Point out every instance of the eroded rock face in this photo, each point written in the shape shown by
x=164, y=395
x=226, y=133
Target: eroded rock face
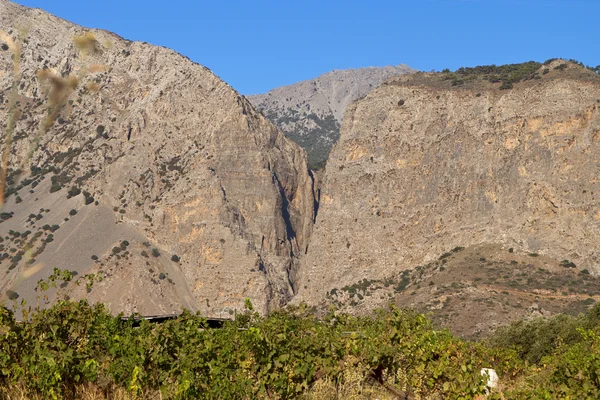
x=177, y=161
x=422, y=167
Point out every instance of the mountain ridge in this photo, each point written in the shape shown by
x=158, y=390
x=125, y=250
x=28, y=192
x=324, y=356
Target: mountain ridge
x=162, y=179
x=424, y=166
x=310, y=112
x=169, y=156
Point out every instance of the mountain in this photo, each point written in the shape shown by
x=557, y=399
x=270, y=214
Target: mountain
x=310, y=112
x=155, y=174
x=429, y=162
x=468, y=194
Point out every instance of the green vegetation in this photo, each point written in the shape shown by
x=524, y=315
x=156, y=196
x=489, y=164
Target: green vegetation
x=290, y=354
x=541, y=337
x=74, y=191
x=317, y=141
x=89, y=199
x=12, y=295
x=508, y=74
x=5, y=215
x=403, y=284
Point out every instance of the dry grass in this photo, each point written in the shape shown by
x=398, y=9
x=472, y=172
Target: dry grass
x=354, y=386
x=83, y=392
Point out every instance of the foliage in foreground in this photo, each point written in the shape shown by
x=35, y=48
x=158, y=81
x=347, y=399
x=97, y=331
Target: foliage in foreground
x=541, y=337
x=72, y=345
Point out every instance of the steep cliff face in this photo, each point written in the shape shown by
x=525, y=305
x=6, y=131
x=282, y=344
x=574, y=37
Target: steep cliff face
x=423, y=167
x=310, y=112
x=208, y=203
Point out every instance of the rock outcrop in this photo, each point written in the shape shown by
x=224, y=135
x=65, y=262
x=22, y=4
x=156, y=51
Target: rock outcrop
x=155, y=173
x=310, y=112
x=422, y=167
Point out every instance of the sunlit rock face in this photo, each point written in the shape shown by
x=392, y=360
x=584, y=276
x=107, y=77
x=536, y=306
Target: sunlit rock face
x=422, y=167
x=214, y=203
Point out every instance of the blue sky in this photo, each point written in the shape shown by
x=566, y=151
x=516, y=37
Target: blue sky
x=261, y=44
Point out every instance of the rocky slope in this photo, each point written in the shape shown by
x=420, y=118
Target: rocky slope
x=310, y=112
x=423, y=167
x=155, y=173
x=477, y=289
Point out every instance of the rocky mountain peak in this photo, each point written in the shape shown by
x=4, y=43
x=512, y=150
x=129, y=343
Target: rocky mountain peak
x=310, y=112
x=155, y=175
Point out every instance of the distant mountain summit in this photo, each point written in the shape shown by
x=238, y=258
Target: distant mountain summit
x=310, y=112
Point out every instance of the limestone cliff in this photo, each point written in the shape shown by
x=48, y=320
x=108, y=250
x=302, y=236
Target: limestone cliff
x=155, y=172
x=422, y=167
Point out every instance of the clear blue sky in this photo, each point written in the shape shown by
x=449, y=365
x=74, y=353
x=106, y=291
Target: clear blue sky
x=261, y=44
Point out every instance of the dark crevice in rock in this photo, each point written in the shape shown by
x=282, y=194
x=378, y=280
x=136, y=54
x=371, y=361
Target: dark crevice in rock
x=285, y=210
x=224, y=194
x=316, y=197
x=291, y=274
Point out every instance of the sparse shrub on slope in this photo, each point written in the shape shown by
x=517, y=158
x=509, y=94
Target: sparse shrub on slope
x=508, y=74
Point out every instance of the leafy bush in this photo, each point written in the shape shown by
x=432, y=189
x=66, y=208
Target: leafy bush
x=283, y=355
x=279, y=356
x=12, y=295
x=568, y=264
x=89, y=199
x=539, y=337
x=74, y=191
x=5, y=215
x=561, y=67
x=572, y=374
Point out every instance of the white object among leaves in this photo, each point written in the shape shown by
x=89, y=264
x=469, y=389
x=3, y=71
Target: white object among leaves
x=492, y=377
